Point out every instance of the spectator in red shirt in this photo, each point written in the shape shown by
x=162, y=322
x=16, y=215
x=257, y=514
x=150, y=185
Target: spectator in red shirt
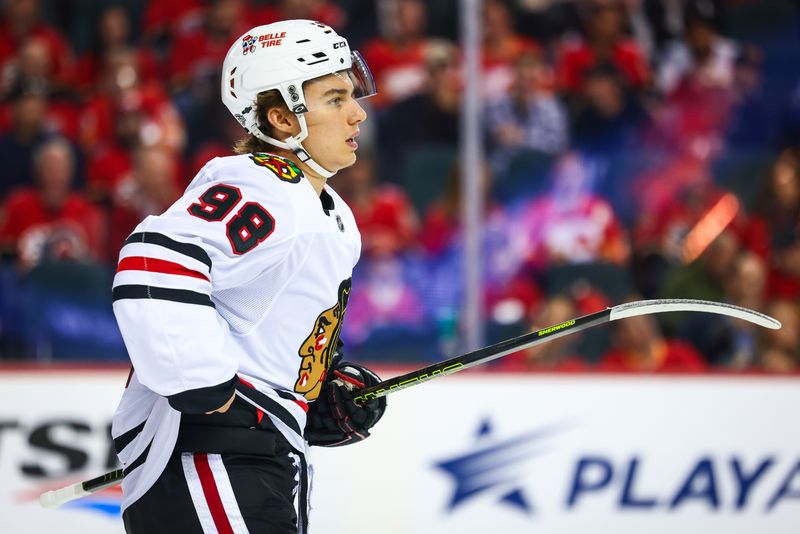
x=324, y=11
x=148, y=189
x=638, y=345
x=502, y=47
x=49, y=220
x=21, y=22
x=162, y=19
x=110, y=161
x=784, y=280
x=32, y=71
x=122, y=90
x=697, y=76
x=385, y=217
x=779, y=350
x=113, y=33
x=196, y=54
x=570, y=223
x=397, y=58
x=773, y=231
x=604, y=44
x=30, y=65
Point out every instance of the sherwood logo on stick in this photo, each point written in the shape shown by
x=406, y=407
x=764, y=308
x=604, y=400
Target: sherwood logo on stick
x=556, y=328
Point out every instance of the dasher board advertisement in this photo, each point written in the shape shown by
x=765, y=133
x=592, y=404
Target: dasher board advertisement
x=472, y=453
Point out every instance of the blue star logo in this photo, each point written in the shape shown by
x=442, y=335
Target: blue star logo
x=494, y=467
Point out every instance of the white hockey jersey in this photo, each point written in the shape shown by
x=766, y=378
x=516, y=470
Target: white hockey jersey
x=244, y=280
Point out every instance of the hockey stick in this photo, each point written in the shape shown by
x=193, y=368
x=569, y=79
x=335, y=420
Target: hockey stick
x=54, y=498
x=613, y=313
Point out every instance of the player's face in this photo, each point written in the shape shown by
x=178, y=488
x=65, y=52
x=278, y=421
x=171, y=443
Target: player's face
x=332, y=120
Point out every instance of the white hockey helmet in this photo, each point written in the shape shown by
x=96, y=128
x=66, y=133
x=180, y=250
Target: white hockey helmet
x=282, y=56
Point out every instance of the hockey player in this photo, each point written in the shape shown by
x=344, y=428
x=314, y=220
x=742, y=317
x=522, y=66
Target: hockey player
x=231, y=303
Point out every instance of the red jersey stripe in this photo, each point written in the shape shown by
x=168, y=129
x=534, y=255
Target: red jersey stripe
x=211, y=493
x=303, y=405
x=155, y=265
x=259, y=413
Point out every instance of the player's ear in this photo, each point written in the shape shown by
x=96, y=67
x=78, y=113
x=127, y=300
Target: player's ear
x=283, y=122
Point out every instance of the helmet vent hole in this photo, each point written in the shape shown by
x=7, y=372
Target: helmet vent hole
x=233, y=71
x=303, y=41
x=232, y=82
x=319, y=57
x=233, y=94
x=301, y=60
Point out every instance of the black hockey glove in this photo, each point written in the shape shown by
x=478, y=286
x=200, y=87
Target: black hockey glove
x=334, y=419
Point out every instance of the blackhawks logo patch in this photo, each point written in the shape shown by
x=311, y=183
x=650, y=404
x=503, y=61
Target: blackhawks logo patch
x=318, y=349
x=280, y=167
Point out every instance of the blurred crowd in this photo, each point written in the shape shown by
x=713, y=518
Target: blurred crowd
x=634, y=149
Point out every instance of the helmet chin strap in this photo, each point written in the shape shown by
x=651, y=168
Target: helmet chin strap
x=293, y=143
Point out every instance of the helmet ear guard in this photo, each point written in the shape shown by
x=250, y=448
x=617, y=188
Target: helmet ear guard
x=283, y=56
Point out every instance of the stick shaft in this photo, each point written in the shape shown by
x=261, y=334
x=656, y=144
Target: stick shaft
x=103, y=481
x=483, y=355
x=622, y=311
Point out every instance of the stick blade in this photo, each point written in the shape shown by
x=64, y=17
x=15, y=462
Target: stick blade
x=645, y=307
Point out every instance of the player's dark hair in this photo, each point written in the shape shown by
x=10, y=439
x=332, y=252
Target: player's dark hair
x=265, y=101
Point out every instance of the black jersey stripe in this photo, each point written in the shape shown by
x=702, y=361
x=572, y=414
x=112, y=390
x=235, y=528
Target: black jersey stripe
x=286, y=395
x=202, y=400
x=160, y=293
x=122, y=441
x=269, y=405
x=138, y=461
x=187, y=249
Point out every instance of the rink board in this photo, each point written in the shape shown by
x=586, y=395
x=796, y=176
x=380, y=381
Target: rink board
x=472, y=453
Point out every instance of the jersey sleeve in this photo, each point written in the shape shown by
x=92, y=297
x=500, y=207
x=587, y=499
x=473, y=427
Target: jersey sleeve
x=163, y=292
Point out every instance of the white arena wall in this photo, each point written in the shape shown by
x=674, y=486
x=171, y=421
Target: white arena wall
x=473, y=453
